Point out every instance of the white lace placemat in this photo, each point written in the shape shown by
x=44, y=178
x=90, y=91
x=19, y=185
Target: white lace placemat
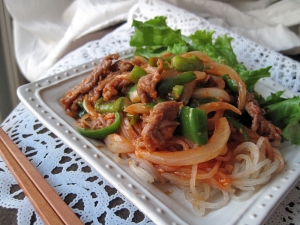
x=86, y=192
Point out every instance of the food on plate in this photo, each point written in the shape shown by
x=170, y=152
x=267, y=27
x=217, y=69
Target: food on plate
x=183, y=110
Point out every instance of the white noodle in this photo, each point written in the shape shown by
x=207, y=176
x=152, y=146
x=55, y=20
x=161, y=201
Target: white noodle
x=140, y=172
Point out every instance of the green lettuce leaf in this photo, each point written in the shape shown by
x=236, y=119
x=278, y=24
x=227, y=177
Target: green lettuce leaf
x=271, y=99
x=221, y=50
x=285, y=114
x=250, y=77
x=154, y=37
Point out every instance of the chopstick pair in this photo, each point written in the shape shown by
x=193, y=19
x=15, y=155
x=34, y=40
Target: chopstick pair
x=50, y=207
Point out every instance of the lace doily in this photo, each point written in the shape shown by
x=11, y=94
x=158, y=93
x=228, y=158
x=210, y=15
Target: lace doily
x=87, y=193
x=93, y=199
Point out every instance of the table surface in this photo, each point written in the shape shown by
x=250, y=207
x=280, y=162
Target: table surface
x=104, y=202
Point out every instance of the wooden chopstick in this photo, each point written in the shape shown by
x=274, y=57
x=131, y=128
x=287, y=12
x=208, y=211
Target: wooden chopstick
x=50, y=207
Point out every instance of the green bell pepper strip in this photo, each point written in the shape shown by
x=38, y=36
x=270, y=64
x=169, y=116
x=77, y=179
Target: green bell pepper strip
x=133, y=118
x=113, y=106
x=193, y=125
x=230, y=83
x=150, y=104
x=165, y=86
x=176, y=91
x=102, y=132
x=136, y=73
x=182, y=64
x=240, y=127
x=98, y=103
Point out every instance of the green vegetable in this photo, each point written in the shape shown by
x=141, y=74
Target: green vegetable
x=251, y=77
x=150, y=104
x=193, y=125
x=81, y=110
x=136, y=73
x=133, y=118
x=286, y=115
x=177, y=91
x=230, y=83
x=182, y=64
x=273, y=98
x=102, y=132
x=113, y=106
x=154, y=37
x=240, y=127
x=165, y=86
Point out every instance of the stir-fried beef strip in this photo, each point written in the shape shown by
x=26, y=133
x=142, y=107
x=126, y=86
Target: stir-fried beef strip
x=88, y=83
x=122, y=66
x=208, y=82
x=112, y=87
x=107, y=77
x=146, y=84
x=160, y=125
x=115, y=80
x=259, y=124
x=96, y=92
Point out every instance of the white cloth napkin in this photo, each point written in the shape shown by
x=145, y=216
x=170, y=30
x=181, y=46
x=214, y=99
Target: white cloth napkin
x=43, y=29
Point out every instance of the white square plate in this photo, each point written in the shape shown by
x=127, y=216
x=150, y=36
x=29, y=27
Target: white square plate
x=163, y=203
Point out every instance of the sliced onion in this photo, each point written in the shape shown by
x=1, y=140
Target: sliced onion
x=137, y=108
x=221, y=69
x=216, y=106
x=118, y=144
x=134, y=97
x=192, y=156
x=127, y=131
x=88, y=106
x=187, y=92
x=211, y=93
x=200, y=75
x=212, y=121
